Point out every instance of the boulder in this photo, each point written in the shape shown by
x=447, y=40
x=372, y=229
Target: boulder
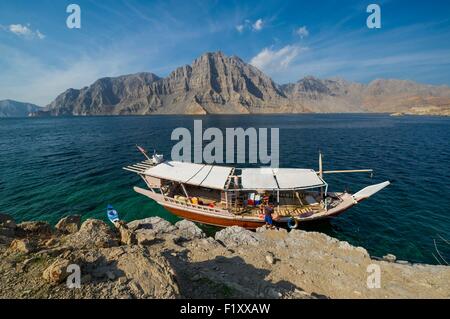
x=93, y=233
x=390, y=258
x=261, y=229
x=270, y=259
x=145, y=236
x=145, y=274
x=51, y=242
x=41, y=229
x=22, y=246
x=189, y=230
x=157, y=224
x=127, y=236
x=236, y=236
x=69, y=224
x=7, y=221
x=56, y=273
x=152, y=274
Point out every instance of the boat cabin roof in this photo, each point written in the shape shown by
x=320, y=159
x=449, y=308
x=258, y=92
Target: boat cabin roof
x=217, y=177
x=209, y=176
x=280, y=178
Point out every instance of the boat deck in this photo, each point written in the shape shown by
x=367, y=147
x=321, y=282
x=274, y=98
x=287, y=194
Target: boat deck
x=288, y=207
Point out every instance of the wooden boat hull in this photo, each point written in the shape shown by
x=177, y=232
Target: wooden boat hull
x=225, y=219
x=214, y=220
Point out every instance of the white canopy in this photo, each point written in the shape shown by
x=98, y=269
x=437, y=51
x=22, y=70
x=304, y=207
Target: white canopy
x=258, y=178
x=280, y=178
x=289, y=178
x=190, y=173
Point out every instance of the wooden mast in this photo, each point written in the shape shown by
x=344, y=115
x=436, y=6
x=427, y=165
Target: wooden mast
x=320, y=165
x=320, y=172
x=184, y=190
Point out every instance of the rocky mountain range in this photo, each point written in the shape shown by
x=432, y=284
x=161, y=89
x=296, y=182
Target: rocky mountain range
x=10, y=108
x=218, y=84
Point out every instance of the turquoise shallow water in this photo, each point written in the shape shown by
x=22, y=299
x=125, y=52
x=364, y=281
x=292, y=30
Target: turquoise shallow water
x=51, y=167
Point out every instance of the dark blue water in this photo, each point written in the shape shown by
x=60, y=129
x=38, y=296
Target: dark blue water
x=51, y=167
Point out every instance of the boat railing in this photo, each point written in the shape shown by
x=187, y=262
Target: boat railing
x=195, y=206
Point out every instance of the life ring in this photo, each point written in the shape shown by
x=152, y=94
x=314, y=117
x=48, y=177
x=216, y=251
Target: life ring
x=292, y=223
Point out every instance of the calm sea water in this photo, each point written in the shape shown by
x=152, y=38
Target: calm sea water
x=51, y=167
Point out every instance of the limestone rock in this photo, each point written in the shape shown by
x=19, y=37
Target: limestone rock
x=22, y=246
x=390, y=258
x=56, y=273
x=157, y=224
x=189, y=230
x=93, y=233
x=261, y=229
x=153, y=274
x=145, y=236
x=308, y=265
x=69, y=224
x=237, y=236
x=270, y=259
x=35, y=228
x=147, y=275
x=127, y=236
x=51, y=242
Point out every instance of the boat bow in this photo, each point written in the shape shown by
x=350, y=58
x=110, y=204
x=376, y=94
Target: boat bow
x=369, y=191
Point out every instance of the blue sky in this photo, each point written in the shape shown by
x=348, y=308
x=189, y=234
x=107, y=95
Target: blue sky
x=40, y=57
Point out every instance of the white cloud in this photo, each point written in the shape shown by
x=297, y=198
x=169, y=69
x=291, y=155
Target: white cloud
x=25, y=31
x=20, y=30
x=258, y=25
x=240, y=28
x=40, y=35
x=302, y=32
x=272, y=60
x=247, y=24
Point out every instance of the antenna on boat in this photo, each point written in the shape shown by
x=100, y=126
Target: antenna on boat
x=320, y=164
x=143, y=151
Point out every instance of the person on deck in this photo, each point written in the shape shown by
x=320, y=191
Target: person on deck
x=266, y=199
x=268, y=211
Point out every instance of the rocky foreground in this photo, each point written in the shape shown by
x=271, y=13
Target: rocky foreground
x=151, y=258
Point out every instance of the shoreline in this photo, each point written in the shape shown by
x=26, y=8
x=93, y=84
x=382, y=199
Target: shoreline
x=151, y=258
x=391, y=114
